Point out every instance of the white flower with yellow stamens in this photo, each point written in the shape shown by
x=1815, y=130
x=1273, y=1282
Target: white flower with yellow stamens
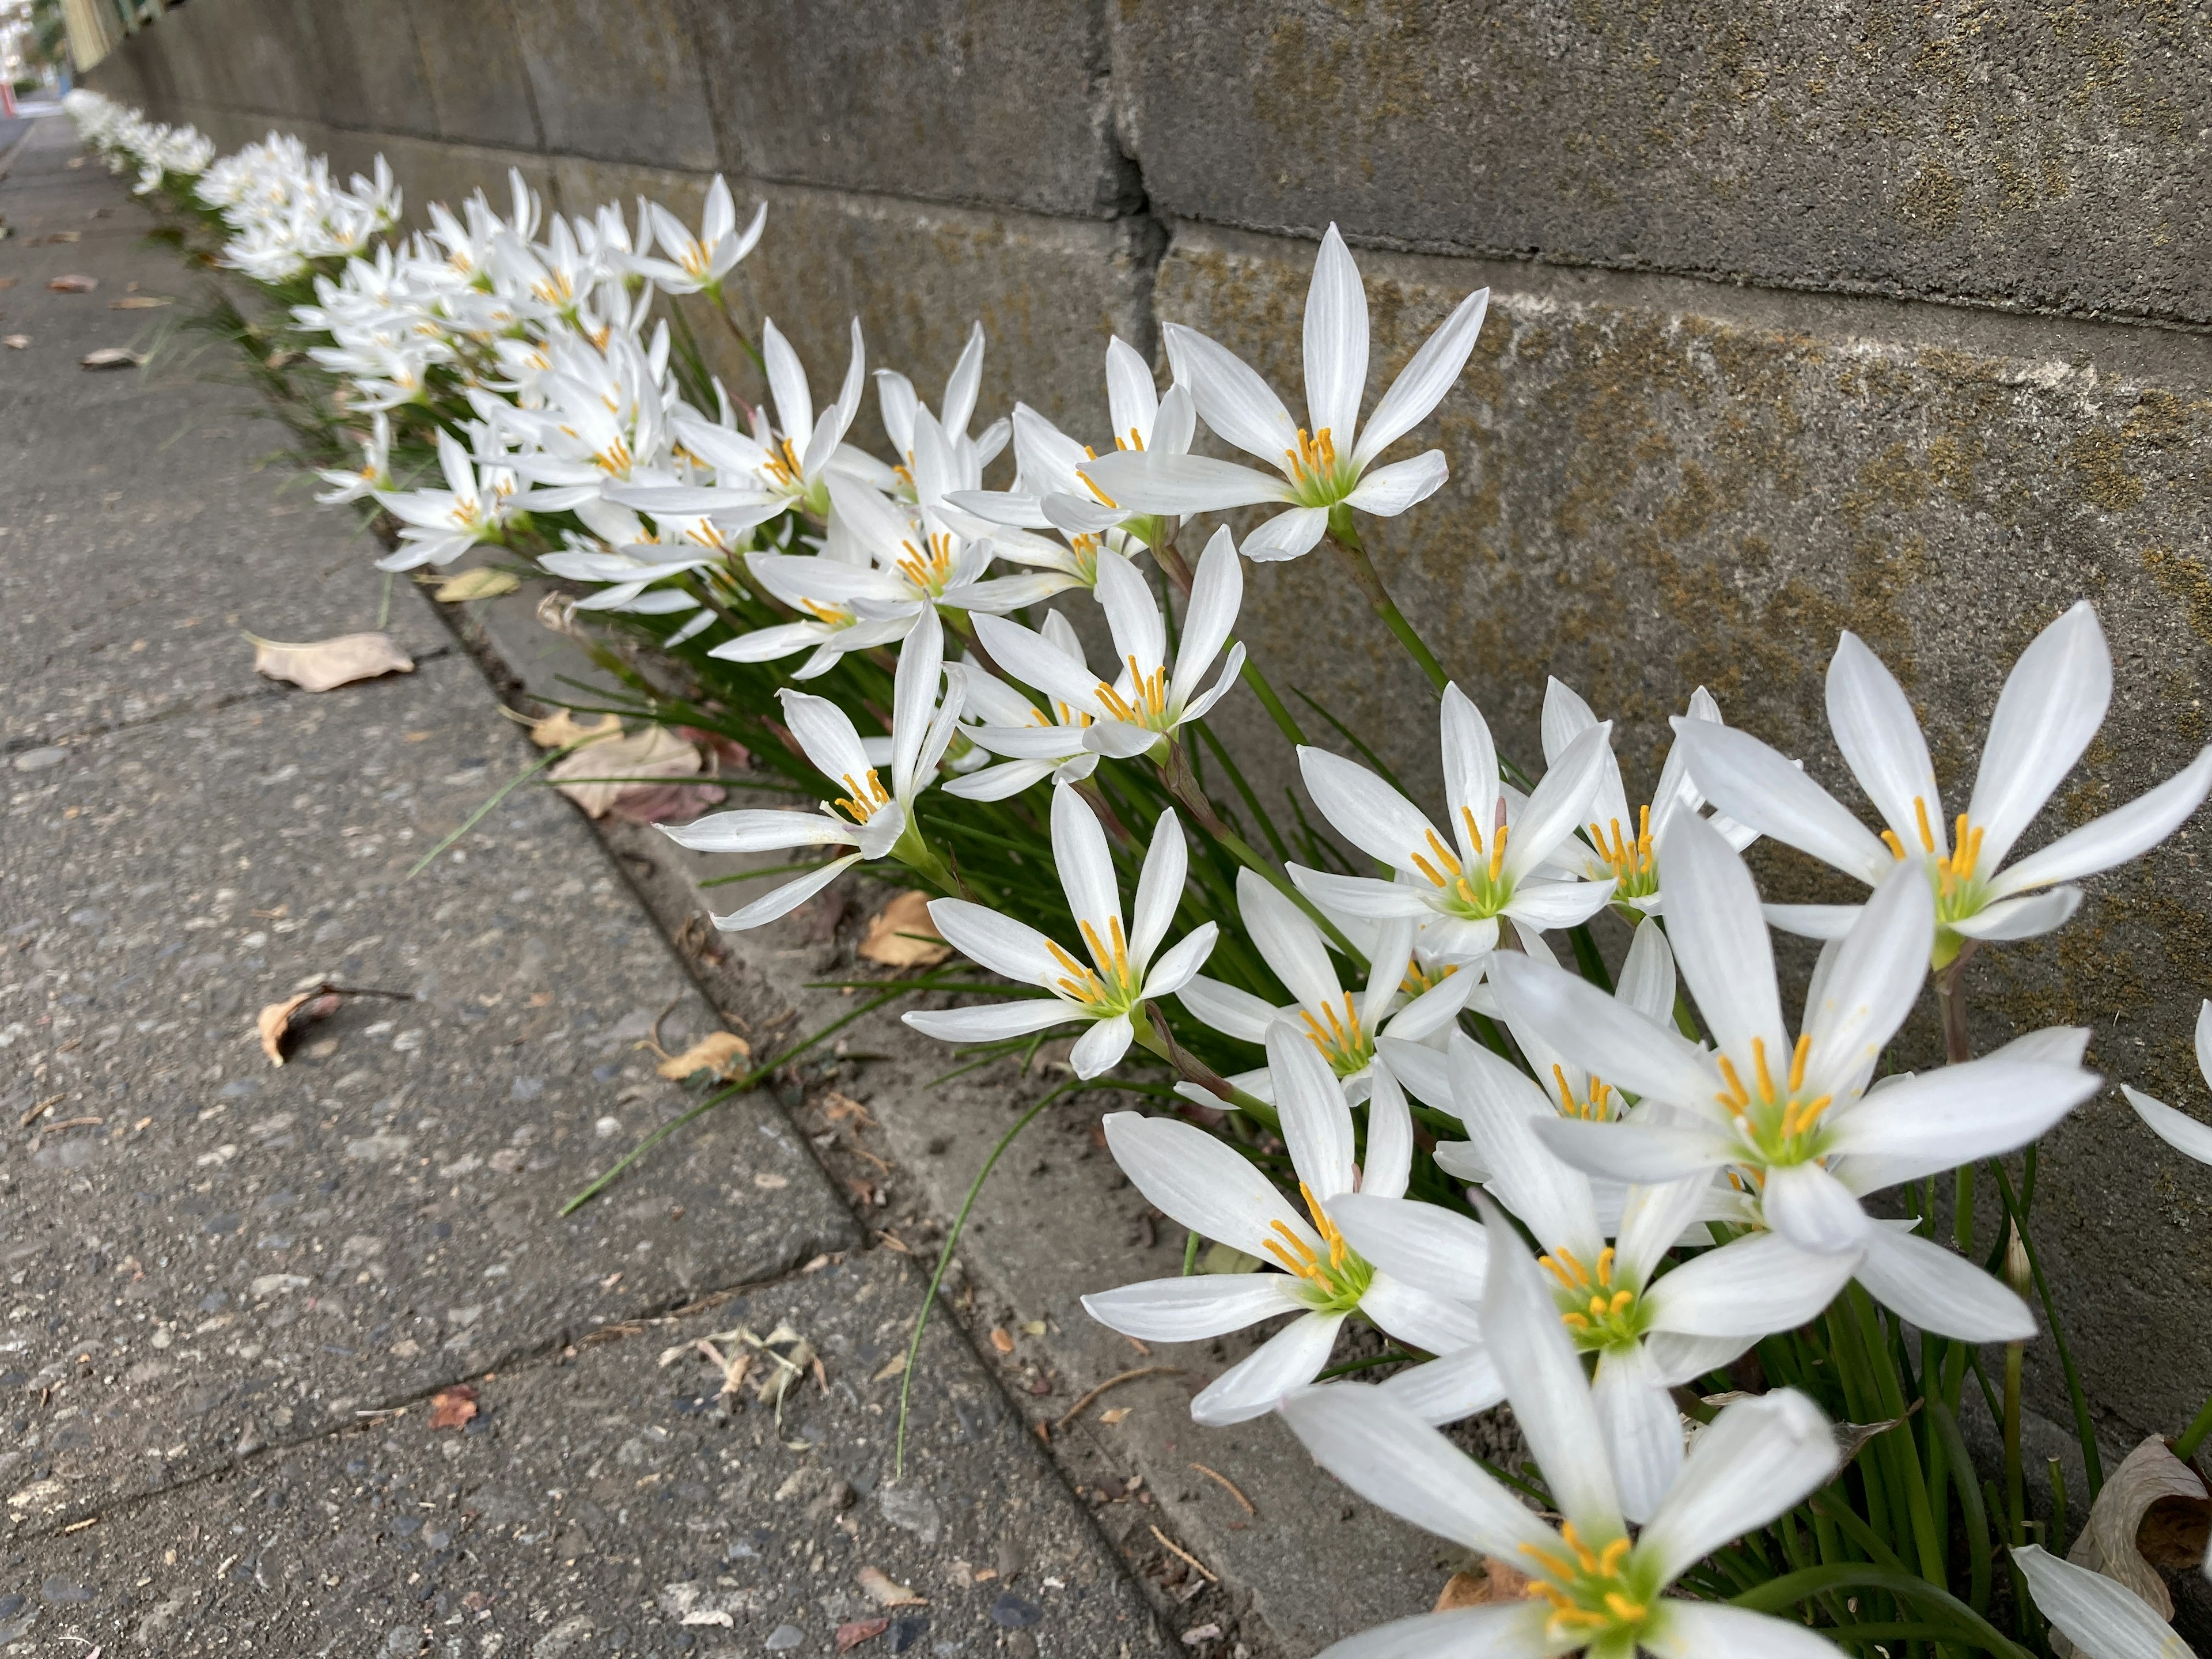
x=869, y=818
x=2053, y=701
x=1343, y=1029
x=1620, y=845
x=1324, y=466
x=1195, y=1180
x=698, y=264
x=1797, y=1122
x=1141, y=712
x=1121, y=976
x=438, y=525
x=1592, y=1587
x=1501, y=863
x=1035, y=743
x=375, y=472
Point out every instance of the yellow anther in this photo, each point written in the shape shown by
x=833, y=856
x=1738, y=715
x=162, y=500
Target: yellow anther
x=1430, y=870
x=1622, y=1300
x=1474, y=829
x=1737, y=1096
x=1622, y=1608
x=861, y=806
x=1597, y=1307
x=1573, y=1541
x=1574, y=1321
x=1797, y=1060
x=1766, y=1077
x=1314, y=460
x=836, y=616
x=1497, y=853
x=1614, y=1553
x=1082, y=983
x=1581, y=1274
x=1920, y=820
x=1104, y=500
x=1550, y=1563
x=1895, y=846
x=1444, y=855
x=1605, y=1265
x=1567, y=1102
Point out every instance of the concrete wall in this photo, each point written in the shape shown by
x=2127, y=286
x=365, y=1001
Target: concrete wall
x=1885, y=316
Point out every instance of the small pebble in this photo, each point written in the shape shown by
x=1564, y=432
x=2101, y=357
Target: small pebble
x=784, y=1637
x=1011, y=1612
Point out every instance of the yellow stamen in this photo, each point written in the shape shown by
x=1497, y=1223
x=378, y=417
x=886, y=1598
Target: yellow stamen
x=1104, y=500
x=1605, y=1265
x=1614, y=1553
x=1797, y=1061
x=1896, y=846
x=1497, y=853
x=1920, y=818
x=1766, y=1077
x=1737, y=1096
x=1444, y=855
x=1474, y=830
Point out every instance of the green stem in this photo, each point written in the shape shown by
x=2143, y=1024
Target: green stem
x=1790, y=1588
x=1345, y=538
x=1284, y=721
x=2193, y=1435
x=1970, y=1501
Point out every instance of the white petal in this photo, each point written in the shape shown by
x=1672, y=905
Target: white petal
x=1317, y=1125
x=1939, y=1292
x=2102, y=1617
x=1037, y=662
x=1757, y=1459
x=1641, y=1153
x=991, y=1022
x=1874, y=724
x=1429, y=1248
x=1449, y=1388
x=998, y=942
x=1758, y=1285
x=1387, y=491
x=1503, y=1111
x=1231, y=1011
x=1435, y=1323
x=1288, y=941
x=1182, y=961
x=1132, y=616
x=1942, y=1119
x=1758, y=788
x=1421, y=385
x=1336, y=342
x=1369, y=1438
x=1289, y=1359
x=1813, y=1210
x=1470, y=757
x=1647, y=976
x=2177, y=1129
x=1652, y=1219
x=960, y=389
x=1544, y=905
x=1559, y=804
x=1131, y=400
x=1192, y=1309
x=1719, y=936
x=1706, y=1630
x=1643, y=1430
x=2053, y=701
x=1389, y=1164
x=787, y=383
x=1433, y=1010
x=2027, y=917
x=1199, y=1183
x=1601, y=1033
x=1217, y=593
x=1234, y=401
x=2116, y=837
x=1099, y=1049
x=1159, y=889
x=786, y=898
x=1365, y=811
x=1287, y=535
x=1544, y=1380
x=1820, y=921
x=1871, y=981
x=1360, y=898
x=1423, y=1071
x=1086, y=866
x=759, y=830
x=1151, y=481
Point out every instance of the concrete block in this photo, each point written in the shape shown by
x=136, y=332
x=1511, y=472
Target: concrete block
x=238, y=54
x=1659, y=484
x=471, y=59
x=2002, y=153
x=363, y=68
x=1002, y=102
x=618, y=79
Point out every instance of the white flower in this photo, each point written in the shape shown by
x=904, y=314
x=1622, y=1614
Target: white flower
x=1036, y=743
x=1147, y=702
x=438, y=525
x=1797, y=1123
x=2053, y=701
x=1204, y=1185
x=1344, y=1032
x=1500, y=862
x=900, y=404
x=2178, y=1129
x=1111, y=993
x=375, y=471
x=1620, y=846
x=1648, y=1330
x=697, y=264
x=788, y=463
x=2101, y=1617
x=1322, y=466
x=1593, y=1588
x=868, y=818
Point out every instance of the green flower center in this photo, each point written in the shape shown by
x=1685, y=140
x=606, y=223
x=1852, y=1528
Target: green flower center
x=1476, y=891
x=1780, y=1127
x=1317, y=478
x=1111, y=989
x=1331, y=1284
x=1597, y=1596
x=1634, y=866
x=1598, y=1313
x=1344, y=1043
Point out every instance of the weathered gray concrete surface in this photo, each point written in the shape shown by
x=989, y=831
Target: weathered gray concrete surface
x=222, y=1278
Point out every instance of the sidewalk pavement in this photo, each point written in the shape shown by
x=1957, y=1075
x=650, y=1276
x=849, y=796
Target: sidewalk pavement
x=237, y=1296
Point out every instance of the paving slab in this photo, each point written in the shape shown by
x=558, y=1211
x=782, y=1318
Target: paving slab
x=613, y=1499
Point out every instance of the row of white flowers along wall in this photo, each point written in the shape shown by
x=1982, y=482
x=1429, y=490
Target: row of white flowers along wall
x=1739, y=1349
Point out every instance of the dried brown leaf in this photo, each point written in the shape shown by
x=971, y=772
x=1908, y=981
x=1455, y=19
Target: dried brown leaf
x=1001, y=1339
x=891, y=936
x=279, y=1020
x=485, y=582
x=1498, y=1581
x=718, y=1052
x=561, y=730
x=324, y=665
x=850, y=1636
x=72, y=284
x=112, y=357
x=884, y=1593
x=653, y=752
x=2153, y=1493
x=15, y=341
x=453, y=1407
x=138, y=303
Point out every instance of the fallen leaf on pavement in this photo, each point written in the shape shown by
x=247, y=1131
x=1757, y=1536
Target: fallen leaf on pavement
x=1198, y=1635
x=453, y=1407
x=662, y=802
x=7, y=281
x=717, y=1052
x=890, y=936
x=112, y=357
x=57, y=236
x=1499, y=1583
x=326, y=663
x=279, y=1020
x=860, y=1630
x=15, y=341
x=884, y=1593
x=73, y=284
x=138, y=303
x=561, y=730
x=654, y=752
x=484, y=582
x=1110, y=1417
x=1001, y=1339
